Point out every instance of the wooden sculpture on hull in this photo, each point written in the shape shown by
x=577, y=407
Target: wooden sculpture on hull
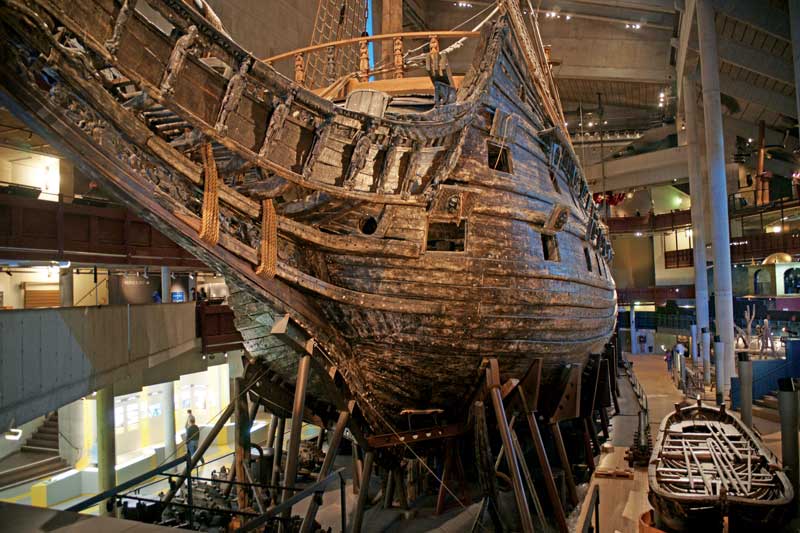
x=407, y=242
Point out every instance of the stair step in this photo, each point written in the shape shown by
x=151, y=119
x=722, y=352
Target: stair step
x=48, y=450
x=48, y=429
x=44, y=467
x=42, y=443
x=766, y=413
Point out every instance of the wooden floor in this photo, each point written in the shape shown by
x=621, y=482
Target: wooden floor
x=623, y=501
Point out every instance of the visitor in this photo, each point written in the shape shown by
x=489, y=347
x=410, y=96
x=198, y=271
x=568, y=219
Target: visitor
x=189, y=419
x=192, y=439
x=203, y=295
x=680, y=349
x=193, y=294
x=156, y=297
x=668, y=359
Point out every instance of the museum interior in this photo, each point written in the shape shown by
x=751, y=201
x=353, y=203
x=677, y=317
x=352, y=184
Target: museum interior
x=552, y=282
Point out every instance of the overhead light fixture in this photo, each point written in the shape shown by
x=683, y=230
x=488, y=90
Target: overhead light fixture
x=638, y=233
x=661, y=95
x=462, y=4
x=191, y=276
x=172, y=275
x=146, y=273
x=568, y=17
x=749, y=139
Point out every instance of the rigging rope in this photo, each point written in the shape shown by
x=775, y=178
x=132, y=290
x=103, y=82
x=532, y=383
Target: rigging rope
x=209, y=227
x=268, y=252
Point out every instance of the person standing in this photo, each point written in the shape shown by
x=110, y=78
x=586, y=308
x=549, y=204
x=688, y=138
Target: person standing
x=668, y=359
x=192, y=439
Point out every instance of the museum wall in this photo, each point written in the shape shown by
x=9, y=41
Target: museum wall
x=633, y=262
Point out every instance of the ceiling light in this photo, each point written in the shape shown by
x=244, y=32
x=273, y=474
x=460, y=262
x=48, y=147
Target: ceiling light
x=629, y=195
x=13, y=434
x=568, y=17
x=661, y=95
x=462, y=4
x=661, y=104
x=638, y=233
x=591, y=124
x=750, y=139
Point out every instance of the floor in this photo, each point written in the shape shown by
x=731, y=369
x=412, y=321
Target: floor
x=623, y=501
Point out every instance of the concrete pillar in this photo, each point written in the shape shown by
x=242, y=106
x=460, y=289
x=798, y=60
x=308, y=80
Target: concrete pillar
x=719, y=352
x=106, y=448
x=706, y=349
x=66, y=288
x=746, y=388
x=170, y=450
x=718, y=190
x=794, y=20
x=165, y=285
x=697, y=190
x=634, y=348
x=70, y=432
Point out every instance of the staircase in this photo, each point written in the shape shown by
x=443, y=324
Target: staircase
x=45, y=439
x=37, y=458
x=767, y=407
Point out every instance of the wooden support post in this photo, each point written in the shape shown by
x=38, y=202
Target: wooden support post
x=290, y=474
x=388, y=493
x=391, y=22
x=273, y=427
x=356, y=467
x=300, y=69
x=363, y=61
x=366, y=473
x=589, y=436
x=276, y=466
x=565, y=465
x=242, y=442
x=327, y=464
x=529, y=481
x=493, y=384
x=398, y=58
x=544, y=463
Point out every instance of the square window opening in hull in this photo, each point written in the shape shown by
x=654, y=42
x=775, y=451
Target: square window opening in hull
x=550, y=247
x=446, y=237
x=588, y=259
x=499, y=157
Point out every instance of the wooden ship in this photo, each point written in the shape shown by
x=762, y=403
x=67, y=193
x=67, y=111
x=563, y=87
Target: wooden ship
x=706, y=466
x=386, y=242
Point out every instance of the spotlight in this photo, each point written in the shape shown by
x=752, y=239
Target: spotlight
x=13, y=434
x=191, y=276
x=146, y=273
x=568, y=17
x=638, y=233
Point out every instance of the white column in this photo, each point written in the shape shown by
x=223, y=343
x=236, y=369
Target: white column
x=168, y=389
x=697, y=190
x=166, y=282
x=715, y=155
x=66, y=287
x=794, y=20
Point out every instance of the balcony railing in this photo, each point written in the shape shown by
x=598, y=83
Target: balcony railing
x=743, y=249
x=650, y=222
x=659, y=295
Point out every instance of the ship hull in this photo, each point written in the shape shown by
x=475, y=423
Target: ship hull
x=467, y=259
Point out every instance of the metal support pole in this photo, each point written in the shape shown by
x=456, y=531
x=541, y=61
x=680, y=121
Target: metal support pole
x=223, y=418
x=633, y=329
x=303, y=370
x=698, y=192
x=719, y=354
x=746, y=388
x=788, y=396
x=493, y=383
x=715, y=155
x=327, y=465
x=276, y=472
x=363, y=493
x=106, y=448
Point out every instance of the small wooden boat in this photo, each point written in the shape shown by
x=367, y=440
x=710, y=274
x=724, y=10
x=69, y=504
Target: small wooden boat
x=707, y=465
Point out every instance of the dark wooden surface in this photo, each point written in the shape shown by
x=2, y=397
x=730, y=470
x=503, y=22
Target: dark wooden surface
x=407, y=327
